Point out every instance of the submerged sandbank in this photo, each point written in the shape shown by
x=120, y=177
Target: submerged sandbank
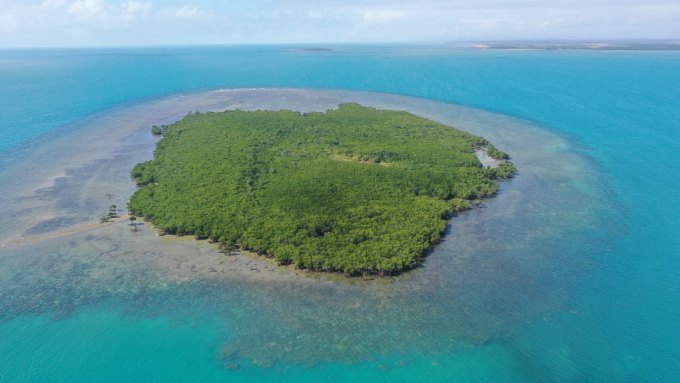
x=76, y=177
x=498, y=267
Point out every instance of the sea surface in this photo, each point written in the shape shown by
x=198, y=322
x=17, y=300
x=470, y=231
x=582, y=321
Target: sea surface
x=570, y=274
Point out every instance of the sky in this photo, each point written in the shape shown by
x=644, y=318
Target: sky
x=61, y=23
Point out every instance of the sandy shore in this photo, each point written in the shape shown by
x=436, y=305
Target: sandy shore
x=486, y=160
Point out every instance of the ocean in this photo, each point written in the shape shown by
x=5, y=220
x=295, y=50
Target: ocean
x=571, y=273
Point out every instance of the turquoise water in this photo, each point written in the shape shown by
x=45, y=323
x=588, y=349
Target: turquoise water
x=593, y=299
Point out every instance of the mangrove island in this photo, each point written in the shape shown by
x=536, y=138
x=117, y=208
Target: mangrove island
x=355, y=190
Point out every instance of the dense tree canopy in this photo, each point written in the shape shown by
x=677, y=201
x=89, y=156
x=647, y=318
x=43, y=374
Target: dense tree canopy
x=354, y=189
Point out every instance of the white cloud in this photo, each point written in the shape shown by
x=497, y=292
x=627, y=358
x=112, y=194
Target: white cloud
x=107, y=22
x=8, y=23
x=133, y=10
x=382, y=15
x=88, y=10
x=183, y=12
x=98, y=11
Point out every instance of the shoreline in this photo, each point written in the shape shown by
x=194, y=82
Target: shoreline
x=128, y=140
x=132, y=123
x=503, y=250
x=390, y=245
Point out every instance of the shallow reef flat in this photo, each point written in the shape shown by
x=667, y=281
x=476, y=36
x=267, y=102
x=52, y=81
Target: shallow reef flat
x=498, y=267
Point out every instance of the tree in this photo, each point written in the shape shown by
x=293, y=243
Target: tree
x=156, y=130
x=134, y=223
x=113, y=211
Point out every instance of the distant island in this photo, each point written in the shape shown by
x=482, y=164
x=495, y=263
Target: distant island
x=353, y=190
x=311, y=49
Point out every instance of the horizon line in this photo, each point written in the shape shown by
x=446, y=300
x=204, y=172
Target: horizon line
x=671, y=41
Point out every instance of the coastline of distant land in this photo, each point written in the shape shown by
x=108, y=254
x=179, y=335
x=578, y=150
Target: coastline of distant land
x=603, y=45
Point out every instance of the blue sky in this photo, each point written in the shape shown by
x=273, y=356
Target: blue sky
x=150, y=22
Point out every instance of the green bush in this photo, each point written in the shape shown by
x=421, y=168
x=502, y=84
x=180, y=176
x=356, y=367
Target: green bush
x=494, y=153
x=156, y=130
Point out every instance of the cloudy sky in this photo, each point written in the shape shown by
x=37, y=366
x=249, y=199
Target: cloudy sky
x=151, y=22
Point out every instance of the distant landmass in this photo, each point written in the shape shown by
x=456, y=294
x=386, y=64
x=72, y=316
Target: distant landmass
x=609, y=45
x=311, y=49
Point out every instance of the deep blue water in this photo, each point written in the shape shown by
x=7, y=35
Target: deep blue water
x=621, y=110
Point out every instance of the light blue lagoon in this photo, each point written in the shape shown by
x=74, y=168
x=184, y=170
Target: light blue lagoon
x=570, y=274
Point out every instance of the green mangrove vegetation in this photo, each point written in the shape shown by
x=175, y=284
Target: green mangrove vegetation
x=157, y=130
x=113, y=213
x=494, y=153
x=356, y=190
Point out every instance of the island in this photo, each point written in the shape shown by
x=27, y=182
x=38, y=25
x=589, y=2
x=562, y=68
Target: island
x=354, y=190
